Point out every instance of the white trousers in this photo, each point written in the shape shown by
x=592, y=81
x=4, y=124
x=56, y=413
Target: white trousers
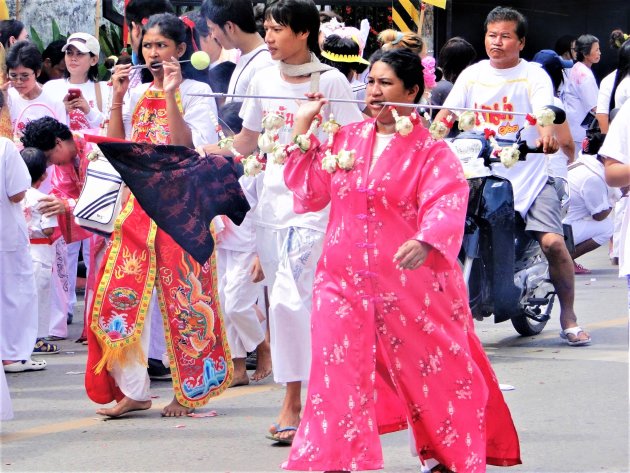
x=6, y=408
x=72, y=263
x=157, y=344
x=18, y=305
x=289, y=259
x=238, y=296
x=59, y=287
x=620, y=211
x=133, y=379
x=600, y=231
x=42, y=257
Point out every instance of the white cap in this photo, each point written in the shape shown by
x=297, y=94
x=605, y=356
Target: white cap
x=84, y=42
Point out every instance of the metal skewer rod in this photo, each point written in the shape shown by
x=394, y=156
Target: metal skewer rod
x=144, y=66
x=393, y=104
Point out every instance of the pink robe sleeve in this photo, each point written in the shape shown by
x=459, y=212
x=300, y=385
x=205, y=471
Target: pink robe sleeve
x=304, y=176
x=442, y=202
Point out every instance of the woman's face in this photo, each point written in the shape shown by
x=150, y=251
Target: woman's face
x=594, y=55
x=383, y=85
x=23, y=80
x=78, y=64
x=157, y=48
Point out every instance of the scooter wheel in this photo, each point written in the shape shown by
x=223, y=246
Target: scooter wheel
x=527, y=326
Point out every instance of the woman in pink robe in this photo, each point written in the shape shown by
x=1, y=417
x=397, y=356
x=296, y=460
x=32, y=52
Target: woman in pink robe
x=393, y=340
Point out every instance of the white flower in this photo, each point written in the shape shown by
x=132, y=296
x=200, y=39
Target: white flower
x=345, y=159
x=329, y=163
x=273, y=121
x=545, y=117
x=95, y=154
x=303, y=141
x=251, y=166
x=509, y=155
x=279, y=154
x=404, y=125
x=266, y=142
x=226, y=142
x=438, y=130
x=467, y=121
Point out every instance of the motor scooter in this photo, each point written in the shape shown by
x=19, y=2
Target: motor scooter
x=504, y=267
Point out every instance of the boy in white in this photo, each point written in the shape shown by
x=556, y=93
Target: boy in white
x=507, y=83
x=232, y=25
x=591, y=204
x=18, y=296
x=40, y=228
x=289, y=245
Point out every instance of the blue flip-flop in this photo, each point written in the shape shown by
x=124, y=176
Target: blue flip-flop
x=283, y=441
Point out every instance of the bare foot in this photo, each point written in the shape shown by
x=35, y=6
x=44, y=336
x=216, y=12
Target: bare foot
x=125, y=405
x=175, y=409
x=240, y=373
x=263, y=361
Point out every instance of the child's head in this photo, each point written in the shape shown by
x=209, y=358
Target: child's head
x=36, y=163
x=300, y=16
x=343, y=54
x=392, y=39
x=52, y=137
x=24, y=63
x=82, y=53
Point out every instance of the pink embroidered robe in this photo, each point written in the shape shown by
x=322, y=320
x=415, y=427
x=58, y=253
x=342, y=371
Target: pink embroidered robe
x=392, y=347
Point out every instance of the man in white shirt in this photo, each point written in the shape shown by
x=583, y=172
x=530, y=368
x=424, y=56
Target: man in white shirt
x=232, y=25
x=508, y=83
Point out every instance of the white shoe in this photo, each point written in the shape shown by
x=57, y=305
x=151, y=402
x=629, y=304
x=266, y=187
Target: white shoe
x=31, y=364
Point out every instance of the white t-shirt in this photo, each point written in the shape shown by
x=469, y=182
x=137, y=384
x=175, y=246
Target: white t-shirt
x=617, y=146
x=36, y=222
x=14, y=178
x=557, y=162
x=274, y=207
x=579, y=97
x=623, y=92
x=196, y=110
x=24, y=111
x=605, y=90
x=524, y=88
x=58, y=89
x=589, y=192
x=246, y=69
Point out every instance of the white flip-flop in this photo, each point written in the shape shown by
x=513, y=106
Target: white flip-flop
x=25, y=365
x=575, y=331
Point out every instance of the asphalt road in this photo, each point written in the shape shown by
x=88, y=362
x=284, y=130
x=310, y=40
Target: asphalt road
x=570, y=406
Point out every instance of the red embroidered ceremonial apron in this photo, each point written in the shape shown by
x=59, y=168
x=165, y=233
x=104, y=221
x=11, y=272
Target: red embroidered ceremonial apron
x=140, y=257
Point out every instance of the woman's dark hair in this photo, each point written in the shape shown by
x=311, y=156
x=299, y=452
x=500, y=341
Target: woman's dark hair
x=455, y=56
x=138, y=10
x=43, y=133
x=583, y=46
x=174, y=29
x=1, y=100
x=36, y=162
x=344, y=46
x=9, y=28
x=239, y=12
x=406, y=65
x=228, y=115
x=54, y=53
x=301, y=16
x=563, y=44
x=556, y=74
x=623, y=70
x=617, y=38
x=507, y=14
x=24, y=53
x=201, y=26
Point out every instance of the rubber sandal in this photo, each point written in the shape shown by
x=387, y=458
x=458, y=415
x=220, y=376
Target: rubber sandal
x=45, y=348
x=579, y=269
x=25, y=365
x=283, y=441
x=54, y=338
x=575, y=331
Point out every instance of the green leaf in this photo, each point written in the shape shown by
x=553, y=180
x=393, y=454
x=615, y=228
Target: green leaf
x=56, y=33
x=37, y=40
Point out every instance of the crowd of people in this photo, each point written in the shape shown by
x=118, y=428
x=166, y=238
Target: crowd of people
x=343, y=273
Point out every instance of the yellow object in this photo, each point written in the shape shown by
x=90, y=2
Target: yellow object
x=200, y=60
x=344, y=57
x=406, y=14
x=4, y=10
x=436, y=3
